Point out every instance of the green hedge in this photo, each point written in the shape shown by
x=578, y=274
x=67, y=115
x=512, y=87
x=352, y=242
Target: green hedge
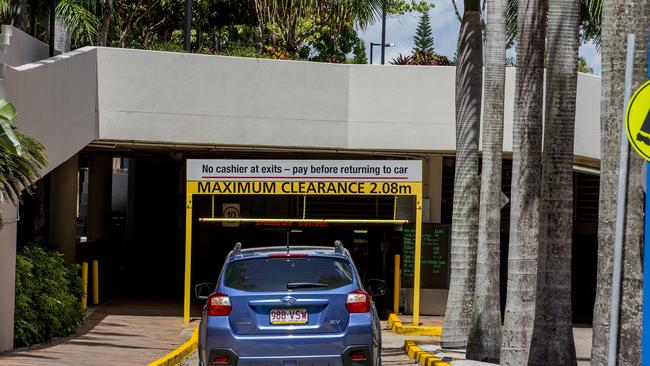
x=48, y=293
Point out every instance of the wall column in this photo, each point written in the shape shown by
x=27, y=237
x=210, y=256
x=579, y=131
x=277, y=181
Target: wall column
x=433, y=187
x=100, y=175
x=7, y=274
x=64, y=194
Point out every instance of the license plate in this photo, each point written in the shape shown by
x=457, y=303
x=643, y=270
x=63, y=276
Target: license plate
x=289, y=316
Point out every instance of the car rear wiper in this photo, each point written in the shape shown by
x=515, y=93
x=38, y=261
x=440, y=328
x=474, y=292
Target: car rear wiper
x=305, y=285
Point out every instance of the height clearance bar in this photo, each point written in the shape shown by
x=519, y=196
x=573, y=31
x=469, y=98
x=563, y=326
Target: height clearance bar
x=304, y=177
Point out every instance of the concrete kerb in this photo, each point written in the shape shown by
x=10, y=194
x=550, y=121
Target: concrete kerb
x=415, y=353
x=395, y=324
x=179, y=354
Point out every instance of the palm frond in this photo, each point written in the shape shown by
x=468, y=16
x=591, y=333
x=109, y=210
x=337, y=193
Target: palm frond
x=5, y=8
x=511, y=22
x=17, y=173
x=81, y=22
x=365, y=11
x=591, y=12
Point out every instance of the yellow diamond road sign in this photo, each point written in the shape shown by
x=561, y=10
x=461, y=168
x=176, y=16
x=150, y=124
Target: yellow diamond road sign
x=637, y=121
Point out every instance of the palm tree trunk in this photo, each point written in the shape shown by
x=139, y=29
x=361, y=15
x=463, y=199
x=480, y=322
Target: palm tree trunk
x=464, y=233
x=552, y=341
x=62, y=36
x=620, y=17
x=106, y=21
x=484, y=342
x=20, y=17
x=526, y=170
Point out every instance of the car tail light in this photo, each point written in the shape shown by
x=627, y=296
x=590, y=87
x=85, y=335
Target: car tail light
x=221, y=359
x=358, y=302
x=219, y=304
x=288, y=255
x=358, y=356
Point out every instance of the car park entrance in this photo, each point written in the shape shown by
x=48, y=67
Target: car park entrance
x=300, y=180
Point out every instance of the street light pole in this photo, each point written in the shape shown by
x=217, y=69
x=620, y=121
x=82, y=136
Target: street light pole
x=372, y=46
x=383, y=31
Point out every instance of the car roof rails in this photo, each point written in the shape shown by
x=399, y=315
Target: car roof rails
x=338, y=247
x=236, y=251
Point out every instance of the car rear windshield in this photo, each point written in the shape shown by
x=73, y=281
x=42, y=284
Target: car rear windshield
x=282, y=274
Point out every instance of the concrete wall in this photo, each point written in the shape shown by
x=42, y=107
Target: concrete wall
x=7, y=274
x=136, y=95
x=180, y=98
x=56, y=100
x=24, y=49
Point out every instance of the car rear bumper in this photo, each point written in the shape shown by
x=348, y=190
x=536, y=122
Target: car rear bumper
x=288, y=350
x=230, y=358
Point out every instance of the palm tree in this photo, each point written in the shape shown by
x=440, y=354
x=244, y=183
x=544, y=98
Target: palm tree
x=75, y=19
x=590, y=20
x=552, y=341
x=21, y=157
x=619, y=19
x=75, y=22
x=526, y=170
x=464, y=232
x=484, y=342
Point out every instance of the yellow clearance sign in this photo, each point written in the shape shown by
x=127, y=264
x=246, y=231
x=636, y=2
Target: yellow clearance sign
x=638, y=121
x=304, y=188
x=304, y=177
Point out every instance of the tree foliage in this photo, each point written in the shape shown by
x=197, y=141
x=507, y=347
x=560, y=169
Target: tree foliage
x=421, y=58
x=583, y=66
x=423, y=38
x=47, y=296
x=360, y=53
x=318, y=30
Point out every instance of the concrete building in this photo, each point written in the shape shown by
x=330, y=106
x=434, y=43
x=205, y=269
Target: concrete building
x=126, y=120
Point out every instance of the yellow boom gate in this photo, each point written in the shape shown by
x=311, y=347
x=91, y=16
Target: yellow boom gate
x=304, y=178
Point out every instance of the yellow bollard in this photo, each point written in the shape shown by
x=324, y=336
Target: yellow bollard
x=397, y=284
x=84, y=280
x=95, y=282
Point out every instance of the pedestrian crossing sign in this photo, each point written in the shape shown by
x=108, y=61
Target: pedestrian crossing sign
x=637, y=121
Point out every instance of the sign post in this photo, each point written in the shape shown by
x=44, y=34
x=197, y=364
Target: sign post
x=645, y=346
x=304, y=178
x=637, y=123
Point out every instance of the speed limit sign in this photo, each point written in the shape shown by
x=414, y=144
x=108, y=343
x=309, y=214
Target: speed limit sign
x=231, y=211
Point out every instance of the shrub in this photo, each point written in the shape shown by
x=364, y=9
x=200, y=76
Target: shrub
x=48, y=293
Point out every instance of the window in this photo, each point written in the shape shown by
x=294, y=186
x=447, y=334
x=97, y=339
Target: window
x=275, y=274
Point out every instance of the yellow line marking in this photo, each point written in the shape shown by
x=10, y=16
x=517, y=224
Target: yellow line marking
x=179, y=354
x=415, y=330
x=415, y=353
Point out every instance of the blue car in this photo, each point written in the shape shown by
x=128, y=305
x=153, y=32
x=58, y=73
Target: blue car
x=289, y=306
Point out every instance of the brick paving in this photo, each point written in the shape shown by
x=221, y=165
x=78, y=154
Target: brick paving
x=118, y=333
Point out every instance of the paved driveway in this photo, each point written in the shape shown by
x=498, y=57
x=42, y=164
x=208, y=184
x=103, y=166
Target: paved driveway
x=119, y=333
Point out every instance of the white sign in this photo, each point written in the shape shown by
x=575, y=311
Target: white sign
x=231, y=211
x=304, y=170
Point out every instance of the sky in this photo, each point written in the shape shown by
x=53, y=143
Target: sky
x=445, y=26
